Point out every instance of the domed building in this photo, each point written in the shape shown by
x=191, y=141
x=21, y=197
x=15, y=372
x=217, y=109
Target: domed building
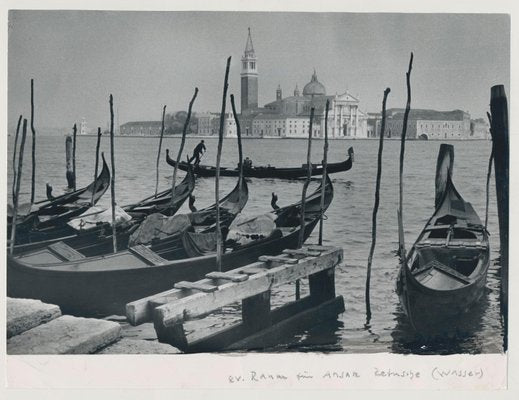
x=314, y=87
x=290, y=116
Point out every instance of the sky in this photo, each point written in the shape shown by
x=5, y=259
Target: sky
x=150, y=59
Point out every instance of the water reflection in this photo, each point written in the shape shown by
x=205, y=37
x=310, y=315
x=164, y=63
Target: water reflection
x=461, y=339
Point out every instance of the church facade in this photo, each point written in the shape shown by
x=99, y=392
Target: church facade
x=289, y=117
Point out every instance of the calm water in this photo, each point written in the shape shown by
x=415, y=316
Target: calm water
x=348, y=224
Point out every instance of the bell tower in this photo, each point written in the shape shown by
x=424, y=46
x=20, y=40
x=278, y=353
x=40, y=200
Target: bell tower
x=249, y=78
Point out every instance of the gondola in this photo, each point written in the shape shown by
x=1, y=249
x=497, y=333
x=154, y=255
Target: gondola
x=98, y=242
x=47, y=215
x=103, y=285
x=268, y=171
x=98, y=237
x=445, y=272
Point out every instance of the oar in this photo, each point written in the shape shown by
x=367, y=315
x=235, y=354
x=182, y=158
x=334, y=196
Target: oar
x=240, y=153
x=303, y=195
x=375, y=206
x=158, y=153
x=489, y=174
x=325, y=165
x=184, y=132
x=401, y=242
x=217, y=177
x=112, y=185
x=97, y=164
x=17, y=189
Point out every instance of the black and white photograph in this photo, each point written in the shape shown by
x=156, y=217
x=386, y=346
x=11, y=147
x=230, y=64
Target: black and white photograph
x=250, y=183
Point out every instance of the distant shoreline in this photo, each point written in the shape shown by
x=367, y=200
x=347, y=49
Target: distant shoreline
x=286, y=138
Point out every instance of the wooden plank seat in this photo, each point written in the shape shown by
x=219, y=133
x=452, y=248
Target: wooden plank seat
x=435, y=264
x=302, y=252
x=66, y=252
x=148, y=255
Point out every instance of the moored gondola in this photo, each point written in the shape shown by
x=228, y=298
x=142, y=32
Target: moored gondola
x=267, y=172
x=445, y=272
x=103, y=285
x=49, y=215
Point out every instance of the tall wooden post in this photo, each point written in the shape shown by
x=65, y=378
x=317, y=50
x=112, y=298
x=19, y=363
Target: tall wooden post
x=33, y=172
x=307, y=181
x=240, y=152
x=375, y=206
x=501, y=150
x=217, y=178
x=112, y=184
x=14, y=156
x=401, y=244
x=325, y=165
x=74, y=153
x=98, y=144
x=68, y=154
x=160, y=149
x=181, y=149
x=17, y=189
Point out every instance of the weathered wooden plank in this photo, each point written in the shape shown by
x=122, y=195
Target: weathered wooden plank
x=201, y=304
x=316, y=247
x=25, y=314
x=227, y=276
x=65, y=251
x=140, y=311
x=277, y=259
x=65, y=335
x=196, y=286
x=302, y=252
x=148, y=255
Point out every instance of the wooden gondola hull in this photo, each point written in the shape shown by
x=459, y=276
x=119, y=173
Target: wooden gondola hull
x=107, y=292
x=438, y=313
x=267, y=172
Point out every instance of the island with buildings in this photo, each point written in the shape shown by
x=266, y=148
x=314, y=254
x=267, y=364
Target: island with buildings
x=289, y=117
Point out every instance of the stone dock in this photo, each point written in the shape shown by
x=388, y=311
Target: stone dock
x=34, y=327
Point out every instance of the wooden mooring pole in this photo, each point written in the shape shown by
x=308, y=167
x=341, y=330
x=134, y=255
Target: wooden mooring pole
x=14, y=156
x=33, y=171
x=98, y=144
x=240, y=150
x=112, y=184
x=160, y=149
x=501, y=150
x=325, y=165
x=68, y=154
x=17, y=189
x=401, y=241
x=303, y=195
x=219, y=244
x=74, y=138
x=375, y=206
x=181, y=149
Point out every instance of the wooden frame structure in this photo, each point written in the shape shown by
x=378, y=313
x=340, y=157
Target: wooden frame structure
x=260, y=327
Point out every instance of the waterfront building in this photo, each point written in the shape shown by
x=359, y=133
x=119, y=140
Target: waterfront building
x=479, y=129
x=141, y=128
x=423, y=124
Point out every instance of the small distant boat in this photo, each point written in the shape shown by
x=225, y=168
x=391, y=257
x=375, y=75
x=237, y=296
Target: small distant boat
x=104, y=285
x=268, y=171
x=445, y=272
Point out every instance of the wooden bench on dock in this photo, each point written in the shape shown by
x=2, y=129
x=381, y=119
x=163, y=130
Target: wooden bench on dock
x=252, y=285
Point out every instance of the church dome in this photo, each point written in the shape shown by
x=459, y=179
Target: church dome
x=314, y=87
